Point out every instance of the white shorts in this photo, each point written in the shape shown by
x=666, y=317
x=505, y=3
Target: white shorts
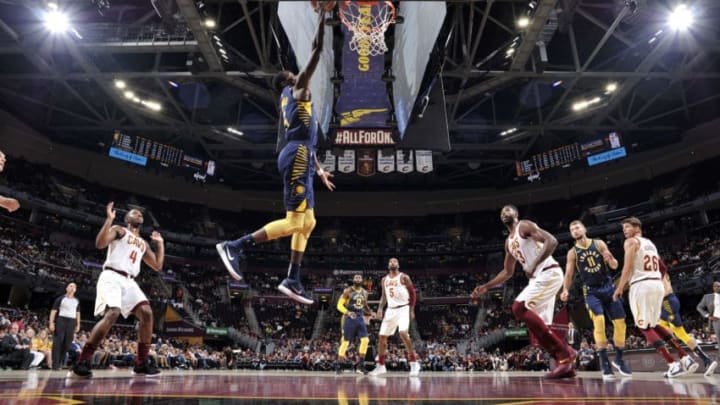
x=394, y=319
x=117, y=291
x=540, y=293
x=645, y=299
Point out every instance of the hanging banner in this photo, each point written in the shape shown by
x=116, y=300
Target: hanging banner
x=327, y=162
x=423, y=161
x=366, y=162
x=386, y=161
x=404, y=164
x=346, y=161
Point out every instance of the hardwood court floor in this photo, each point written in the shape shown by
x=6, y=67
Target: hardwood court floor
x=277, y=387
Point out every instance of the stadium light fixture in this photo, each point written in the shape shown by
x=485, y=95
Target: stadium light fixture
x=56, y=21
x=523, y=22
x=234, y=131
x=120, y=84
x=508, y=131
x=209, y=23
x=681, y=18
x=129, y=95
x=580, y=105
x=610, y=88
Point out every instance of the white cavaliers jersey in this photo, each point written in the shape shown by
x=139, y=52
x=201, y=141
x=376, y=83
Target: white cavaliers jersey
x=646, y=263
x=396, y=292
x=526, y=250
x=126, y=253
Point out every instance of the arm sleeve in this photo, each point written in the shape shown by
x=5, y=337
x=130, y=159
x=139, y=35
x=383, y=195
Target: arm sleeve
x=411, y=292
x=341, y=305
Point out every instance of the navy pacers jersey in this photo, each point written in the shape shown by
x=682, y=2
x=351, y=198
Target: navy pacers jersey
x=357, y=300
x=298, y=119
x=591, y=266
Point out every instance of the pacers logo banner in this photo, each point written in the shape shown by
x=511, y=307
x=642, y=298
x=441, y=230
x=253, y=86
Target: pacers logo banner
x=366, y=162
x=363, y=100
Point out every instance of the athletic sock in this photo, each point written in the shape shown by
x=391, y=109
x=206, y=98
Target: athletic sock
x=604, y=362
x=381, y=360
x=87, y=352
x=243, y=242
x=618, y=355
x=142, y=354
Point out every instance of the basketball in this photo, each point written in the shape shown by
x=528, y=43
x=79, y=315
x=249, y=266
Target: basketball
x=323, y=5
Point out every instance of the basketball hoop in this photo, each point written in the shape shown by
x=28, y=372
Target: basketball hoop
x=368, y=21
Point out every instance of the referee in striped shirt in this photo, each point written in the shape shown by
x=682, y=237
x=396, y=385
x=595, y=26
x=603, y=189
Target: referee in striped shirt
x=64, y=323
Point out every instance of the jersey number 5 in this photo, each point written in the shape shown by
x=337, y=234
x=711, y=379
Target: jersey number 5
x=651, y=263
x=391, y=290
x=133, y=256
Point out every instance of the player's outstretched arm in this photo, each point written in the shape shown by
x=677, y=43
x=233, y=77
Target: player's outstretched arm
x=303, y=79
x=108, y=232
x=503, y=276
x=607, y=254
x=153, y=260
x=324, y=176
x=529, y=229
x=631, y=247
x=569, y=273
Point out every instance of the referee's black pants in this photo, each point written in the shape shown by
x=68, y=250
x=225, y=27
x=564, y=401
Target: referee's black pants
x=62, y=339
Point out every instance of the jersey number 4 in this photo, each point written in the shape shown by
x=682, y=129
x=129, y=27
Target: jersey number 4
x=651, y=263
x=133, y=256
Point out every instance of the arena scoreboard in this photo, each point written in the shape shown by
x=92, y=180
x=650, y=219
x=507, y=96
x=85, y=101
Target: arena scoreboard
x=137, y=149
x=595, y=151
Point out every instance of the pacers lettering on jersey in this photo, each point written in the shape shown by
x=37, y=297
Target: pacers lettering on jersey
x=591, y=261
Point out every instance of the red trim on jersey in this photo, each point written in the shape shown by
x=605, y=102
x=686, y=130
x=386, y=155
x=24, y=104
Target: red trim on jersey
x=139, y=304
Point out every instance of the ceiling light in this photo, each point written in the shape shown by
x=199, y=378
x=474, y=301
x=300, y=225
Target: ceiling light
x=173, y=84
x=129, y=94
x=222, y=51
x=120, y=84
x=136, y=99
x=557, y=83
x=594, y=100
x=508, y=131
x=52, y=5
x=580, y=105
x=611, y=87
x=57, y=22
x=209, y=23
x=681, y=18
x=523, y=22
x=234, y=131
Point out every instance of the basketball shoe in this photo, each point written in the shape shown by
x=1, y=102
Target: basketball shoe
x=231, y=259
x=294, y=289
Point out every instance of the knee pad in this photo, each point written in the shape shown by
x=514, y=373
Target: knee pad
x=619, y=331
x=599, y=329
x=309, y=222
x=518, y=309
x=364, y=342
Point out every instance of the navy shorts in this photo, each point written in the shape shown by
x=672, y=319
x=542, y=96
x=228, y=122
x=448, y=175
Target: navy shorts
x=353, y=328
x=599, y=300
x=296, y=165
x=671, y=310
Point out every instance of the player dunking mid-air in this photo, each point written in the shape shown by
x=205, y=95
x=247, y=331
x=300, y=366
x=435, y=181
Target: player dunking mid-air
x=353, y=304
x=644, y=270
x=8, y=203
x=670, y=319
x=398, y=293
x=118, y=293
x=532, y=247
x=297, y=163
x=593, y=259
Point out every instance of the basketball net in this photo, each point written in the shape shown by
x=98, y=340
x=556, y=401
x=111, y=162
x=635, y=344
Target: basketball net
x=368, y=21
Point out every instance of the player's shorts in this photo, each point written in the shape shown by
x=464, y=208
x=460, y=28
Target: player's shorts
x=670, y=312
x=353, y=328
x=117, y=291
x=395, y=319
x=540, y=293
x=296, y=165
x=646, y=297
x=599, y=300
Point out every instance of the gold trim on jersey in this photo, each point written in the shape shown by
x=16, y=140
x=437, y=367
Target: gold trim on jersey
x=304, y=112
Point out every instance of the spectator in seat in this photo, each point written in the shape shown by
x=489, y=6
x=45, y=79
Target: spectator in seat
x=18, y=354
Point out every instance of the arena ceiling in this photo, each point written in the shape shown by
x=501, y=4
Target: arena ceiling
x=665, y=81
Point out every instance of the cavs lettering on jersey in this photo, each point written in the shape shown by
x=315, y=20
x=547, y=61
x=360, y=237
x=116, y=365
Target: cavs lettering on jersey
x=126, y=253
x=526, y=250
x=357, y=301
x=646, y=263
x=396, y=292
x=298, y=118
x=591, y=265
